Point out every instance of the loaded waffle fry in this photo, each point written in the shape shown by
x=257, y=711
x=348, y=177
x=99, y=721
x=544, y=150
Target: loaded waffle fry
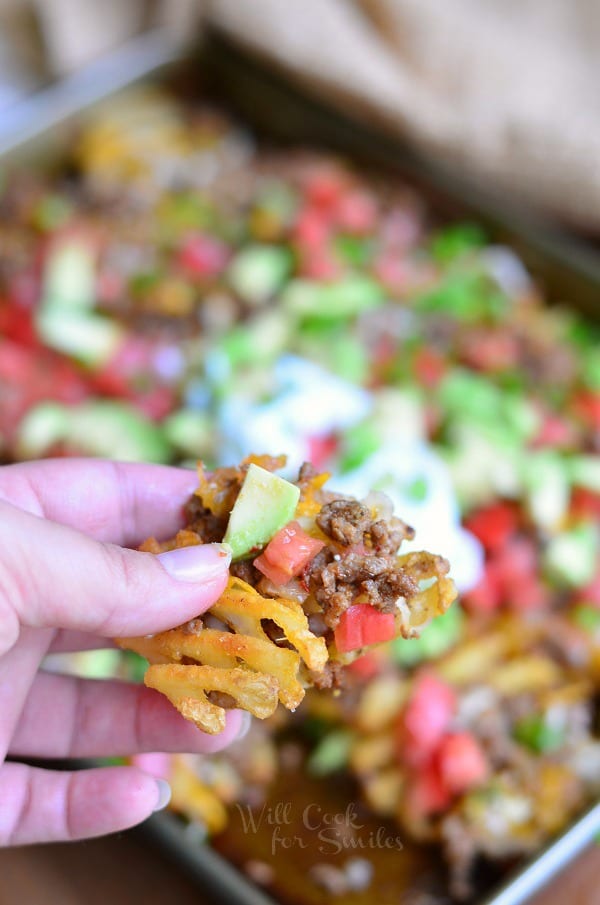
x=322, y=580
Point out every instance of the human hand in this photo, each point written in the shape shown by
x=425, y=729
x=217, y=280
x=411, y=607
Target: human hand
x=65, y=585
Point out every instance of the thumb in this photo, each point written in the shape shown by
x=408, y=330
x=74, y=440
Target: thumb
x=53, y=576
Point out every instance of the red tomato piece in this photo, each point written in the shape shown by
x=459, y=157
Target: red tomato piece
x=156, y=403
x=585, y=503
x=201, y=255
x=324, y=187
x=287, y=553
x=426, y=793
x=391, y=271
x=16, y=323
x=516, y=562
x=490, y=350
x=321, y=449
x=555, y=432
x=273, y=573
x=365, y=666
x=527, y=594
x=591, y=592
x=356, y=212
x=425, y=719
x=461, y=762
x=361, y=625
x=486, y=596
x=587, y=406
x=429, y=367
x=110, y=287
x=493, y=525
x=311, y=230
x=319, y=264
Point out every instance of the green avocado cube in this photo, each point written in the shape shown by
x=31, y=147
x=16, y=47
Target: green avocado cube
x=258, y=271
x=89, y=338
x=265, y=504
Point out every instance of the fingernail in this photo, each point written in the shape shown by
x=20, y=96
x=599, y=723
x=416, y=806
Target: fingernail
x=164, y=794
x=245, y=723
x=198, y=563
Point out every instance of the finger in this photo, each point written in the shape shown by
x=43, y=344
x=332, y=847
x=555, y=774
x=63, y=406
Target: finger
x=66, y=642
x=71, y=717
x=53, y=576
x=17, y=671
x=111, y=501
x=47, y=806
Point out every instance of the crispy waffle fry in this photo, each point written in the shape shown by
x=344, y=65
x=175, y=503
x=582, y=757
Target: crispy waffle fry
x=243, y=609
x=262, y=649
x=226, y=650
x=434, y=599
x=188, y=689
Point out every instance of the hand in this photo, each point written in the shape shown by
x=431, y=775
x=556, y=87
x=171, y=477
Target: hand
x=65, y=585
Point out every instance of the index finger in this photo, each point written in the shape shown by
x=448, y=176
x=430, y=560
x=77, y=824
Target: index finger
x=119, y=502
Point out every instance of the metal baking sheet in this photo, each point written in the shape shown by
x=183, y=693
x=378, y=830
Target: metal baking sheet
x=568, y=268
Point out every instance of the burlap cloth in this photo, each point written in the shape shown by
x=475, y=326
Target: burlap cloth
x=508, y=90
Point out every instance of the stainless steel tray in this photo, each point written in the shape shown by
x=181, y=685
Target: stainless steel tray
x=567, y=267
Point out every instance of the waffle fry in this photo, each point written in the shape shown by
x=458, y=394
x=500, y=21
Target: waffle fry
x=262, y=650
x=188, y=688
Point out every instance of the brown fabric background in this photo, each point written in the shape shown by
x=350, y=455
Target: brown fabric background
x=507, y=90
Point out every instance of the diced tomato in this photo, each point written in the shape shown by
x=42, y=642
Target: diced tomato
x=585, y=503
x=17, y=323
x=425, y=719
x=110, y=287
x=319, y=264
x=29, y=376
x=361, y=625
x=24, y=289
x=486, y=596
x=490, y=351
x=287, y=553
x=321, y=449
x=461, y=762
x=493, y=525
x=527, y=594
x=273, y=573
x=516, y=562
x=429, y=367
x=156, y=403
x=591, y=592
x=587, y=406
x=356, y=212
x=201, y=255
x=391, y=270
x=426, y=794
x=324, y=187
x=555, y=432
x=311, y=230
x=365, y=666
x=131, y=360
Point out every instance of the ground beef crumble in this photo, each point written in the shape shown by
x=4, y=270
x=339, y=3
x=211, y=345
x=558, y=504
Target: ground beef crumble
x=386, y=536
x=246, y=571
x=210, y=528
x=344, y=521
x=336, y=583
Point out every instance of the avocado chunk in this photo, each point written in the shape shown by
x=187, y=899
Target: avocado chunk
x=258, y=271
x=102, y=427
x=264, y=505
